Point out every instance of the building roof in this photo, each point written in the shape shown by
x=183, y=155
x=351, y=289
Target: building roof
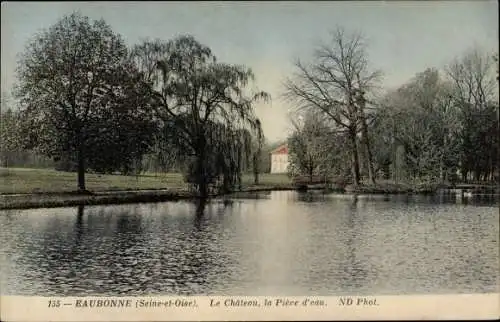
x=282, y=149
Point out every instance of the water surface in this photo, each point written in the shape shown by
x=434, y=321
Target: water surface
x=282, y=243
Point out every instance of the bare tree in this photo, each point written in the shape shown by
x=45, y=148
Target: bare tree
x=361, y=102
x=334, y=82
x=473, y=77
x=474, y=91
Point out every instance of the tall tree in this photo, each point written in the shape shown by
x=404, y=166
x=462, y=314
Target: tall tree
x=257, y=146
x=416, y=128
x=440, y=122
x=360, y=100
x=475, y=92
x=332, y=84
x=194, y=92
x=69, y=76
x=9, y=132
x=310, y=145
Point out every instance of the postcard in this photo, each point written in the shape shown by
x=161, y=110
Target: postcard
x=203, y=161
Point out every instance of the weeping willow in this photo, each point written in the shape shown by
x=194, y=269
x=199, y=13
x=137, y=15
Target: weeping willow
x=207, y=107
x=232, y=156
x=228, y=152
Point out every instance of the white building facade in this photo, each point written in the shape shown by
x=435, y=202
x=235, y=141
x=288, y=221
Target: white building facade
x=279, y=159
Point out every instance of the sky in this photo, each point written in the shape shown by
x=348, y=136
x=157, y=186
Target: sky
x=403, y=37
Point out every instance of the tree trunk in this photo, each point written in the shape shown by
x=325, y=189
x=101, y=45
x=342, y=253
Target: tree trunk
x=200, y=172
x=477, y=174
x=239, y=180
x=354, y=157
x=497, y=167
x=366, y=141
x=442, y=170
x=371, y=171
x=202, y=186
x=255, y=169
x=200, y=208
x=81, y=166
x=80, y=211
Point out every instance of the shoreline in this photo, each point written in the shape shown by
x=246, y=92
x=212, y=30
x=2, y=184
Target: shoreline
x=71, y=199
x=12, y=201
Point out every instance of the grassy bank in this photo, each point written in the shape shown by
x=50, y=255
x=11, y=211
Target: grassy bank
x=51, y=200
x=388, y=187
x=29, y=181
x=66, y=200
x=32, y=188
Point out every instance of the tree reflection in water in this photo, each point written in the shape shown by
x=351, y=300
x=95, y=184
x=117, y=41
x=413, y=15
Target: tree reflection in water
x=333, y=245
x=353, y=243
x=200, y=207
x=79, y=230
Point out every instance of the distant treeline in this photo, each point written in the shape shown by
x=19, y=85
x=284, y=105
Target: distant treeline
x=13, y=155
x=87, y=102
x=442, y=125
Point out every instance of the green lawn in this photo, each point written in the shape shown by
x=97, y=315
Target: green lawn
x=20, y=180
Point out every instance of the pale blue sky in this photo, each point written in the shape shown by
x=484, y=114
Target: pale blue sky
x=404, y=37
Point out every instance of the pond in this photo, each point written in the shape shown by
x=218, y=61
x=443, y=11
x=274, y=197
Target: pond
x=279, y=243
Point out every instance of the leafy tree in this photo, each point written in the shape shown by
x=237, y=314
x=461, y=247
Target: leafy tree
x=202, y=98
x=264, y=158
x=9, y=134
x=72, y=77
x=416, y=129
x=257, y=146
x=122, y=145
x=440, y=122
x=12, y=153
x=309, y=146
